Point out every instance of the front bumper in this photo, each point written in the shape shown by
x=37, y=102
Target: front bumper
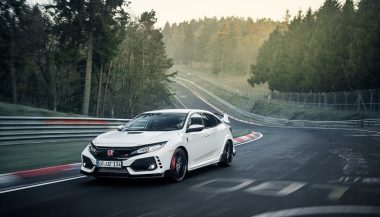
x=133, y=167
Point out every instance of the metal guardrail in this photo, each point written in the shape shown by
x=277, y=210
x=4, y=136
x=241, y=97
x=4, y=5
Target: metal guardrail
x=286, y=122
x=25, y=130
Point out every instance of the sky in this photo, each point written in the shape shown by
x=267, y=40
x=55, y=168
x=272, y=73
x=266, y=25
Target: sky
x=181, y=10
x=175, y=11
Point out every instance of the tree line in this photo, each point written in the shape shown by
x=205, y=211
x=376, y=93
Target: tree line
x=335, y=48
x=82, y=56
x=225, y=45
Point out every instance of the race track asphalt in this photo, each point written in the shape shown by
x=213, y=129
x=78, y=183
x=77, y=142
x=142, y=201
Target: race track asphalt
x=303, y=172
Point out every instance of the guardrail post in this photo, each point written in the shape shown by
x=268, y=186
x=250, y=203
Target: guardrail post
x=334, y=105
x=371, y=100
x=305, y=99
x=345, y=100
x=298, y=97
x=269, y=97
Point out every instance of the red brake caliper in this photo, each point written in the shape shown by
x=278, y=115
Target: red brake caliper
x=172, y=163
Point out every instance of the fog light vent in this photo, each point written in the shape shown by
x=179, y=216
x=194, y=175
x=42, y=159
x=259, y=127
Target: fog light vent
x=144, y=164
x=87, y=163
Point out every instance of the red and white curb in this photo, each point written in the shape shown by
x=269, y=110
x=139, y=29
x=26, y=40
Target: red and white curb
x=20, y=175
x=247, y=138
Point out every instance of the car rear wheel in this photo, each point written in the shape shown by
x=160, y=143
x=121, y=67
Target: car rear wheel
x=178, y=165
x=227, y=155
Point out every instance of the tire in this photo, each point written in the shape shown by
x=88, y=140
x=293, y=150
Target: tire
x=227, y=155
x=178, y=165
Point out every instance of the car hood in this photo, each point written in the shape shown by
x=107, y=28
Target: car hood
x=129, y=139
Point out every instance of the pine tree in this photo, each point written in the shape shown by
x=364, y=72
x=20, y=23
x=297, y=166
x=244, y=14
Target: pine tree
x=86, y=22
x=364, y=50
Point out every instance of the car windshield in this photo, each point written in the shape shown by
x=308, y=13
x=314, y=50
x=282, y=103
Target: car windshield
x=156, y=122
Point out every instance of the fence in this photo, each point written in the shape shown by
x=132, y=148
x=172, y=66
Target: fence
x=363, y=100
x=359, y=100
x=25, y=130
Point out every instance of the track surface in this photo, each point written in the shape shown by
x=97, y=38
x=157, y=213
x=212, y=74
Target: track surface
x=288, y=168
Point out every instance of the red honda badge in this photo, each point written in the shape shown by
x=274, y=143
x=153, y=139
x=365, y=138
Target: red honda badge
x=109, y=153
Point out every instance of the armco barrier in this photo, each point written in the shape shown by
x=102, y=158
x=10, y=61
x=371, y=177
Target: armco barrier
x=25, y=130
x=283, y=122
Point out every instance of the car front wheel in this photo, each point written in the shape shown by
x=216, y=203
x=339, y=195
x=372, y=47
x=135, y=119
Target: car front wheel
x=178, y=165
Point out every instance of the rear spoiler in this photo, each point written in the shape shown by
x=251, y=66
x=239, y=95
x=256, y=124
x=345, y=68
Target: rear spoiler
x=223, y=117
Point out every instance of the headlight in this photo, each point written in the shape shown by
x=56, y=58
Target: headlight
x=148, y=148
x=92, y=148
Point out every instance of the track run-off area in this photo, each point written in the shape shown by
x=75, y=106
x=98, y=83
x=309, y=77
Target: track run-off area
x=284, y=172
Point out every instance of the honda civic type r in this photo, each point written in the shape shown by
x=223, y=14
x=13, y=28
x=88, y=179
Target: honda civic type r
x=162, y=143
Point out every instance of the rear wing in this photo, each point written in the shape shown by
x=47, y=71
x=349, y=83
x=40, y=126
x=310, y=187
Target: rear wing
x=223, y=117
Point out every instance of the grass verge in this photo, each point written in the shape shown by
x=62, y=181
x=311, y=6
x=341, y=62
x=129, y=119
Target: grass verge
x=32, y=156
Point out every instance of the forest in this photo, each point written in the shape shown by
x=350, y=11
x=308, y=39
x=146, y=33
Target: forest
x=335, y=48
x=90, y=57
x=224, y=45
x=87, y=57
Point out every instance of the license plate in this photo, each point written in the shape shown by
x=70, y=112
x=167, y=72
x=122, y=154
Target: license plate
x=112, y=164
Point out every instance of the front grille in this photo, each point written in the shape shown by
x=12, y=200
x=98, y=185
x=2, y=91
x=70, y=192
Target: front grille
x=118, y=153
x=113, y=170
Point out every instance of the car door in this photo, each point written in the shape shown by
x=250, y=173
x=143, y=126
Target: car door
x=214, y=136
x=196, y=142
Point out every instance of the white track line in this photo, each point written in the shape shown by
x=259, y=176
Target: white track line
x=323, y=210
x=40, y=184
x=180, y=101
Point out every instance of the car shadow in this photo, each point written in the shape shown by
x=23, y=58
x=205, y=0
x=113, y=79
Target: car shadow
x=202, y=173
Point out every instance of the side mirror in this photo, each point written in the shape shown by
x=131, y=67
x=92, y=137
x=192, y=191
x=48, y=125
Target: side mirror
x=194, y=128
x=225, y=118
x=120, y=127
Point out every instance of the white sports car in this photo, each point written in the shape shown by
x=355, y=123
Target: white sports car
x=161, y=143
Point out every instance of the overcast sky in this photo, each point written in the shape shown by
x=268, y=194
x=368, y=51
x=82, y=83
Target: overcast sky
x=181, y=10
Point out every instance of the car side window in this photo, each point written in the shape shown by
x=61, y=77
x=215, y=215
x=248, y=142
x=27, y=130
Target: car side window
x=195, y=119
x=218, y=121
x=210, y=120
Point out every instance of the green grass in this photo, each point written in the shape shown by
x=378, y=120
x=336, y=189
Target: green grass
x=8, y=109
x=31, y=156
